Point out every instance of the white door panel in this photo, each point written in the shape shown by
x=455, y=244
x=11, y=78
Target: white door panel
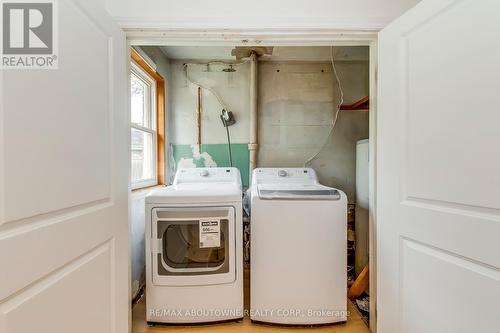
x=64, y=162
x=451, y=293
x=59, y=137
x=53, y=302
x=438, y=185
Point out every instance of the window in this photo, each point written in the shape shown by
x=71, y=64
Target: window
x=147, y=121
x=143, y=128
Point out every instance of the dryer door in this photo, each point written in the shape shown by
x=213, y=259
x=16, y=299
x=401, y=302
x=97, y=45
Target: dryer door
x=193, y=246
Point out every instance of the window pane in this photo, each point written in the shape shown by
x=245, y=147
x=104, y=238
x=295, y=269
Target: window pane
x=140, y=93
x=142, y=155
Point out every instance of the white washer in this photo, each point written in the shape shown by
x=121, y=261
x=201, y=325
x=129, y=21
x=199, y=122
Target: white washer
x=298, y=249
x=194, y=266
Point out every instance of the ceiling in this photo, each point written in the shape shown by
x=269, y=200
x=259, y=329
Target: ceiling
x=280, y=53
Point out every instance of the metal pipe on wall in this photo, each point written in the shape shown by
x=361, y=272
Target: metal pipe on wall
x=253, y=145
x=198, y=115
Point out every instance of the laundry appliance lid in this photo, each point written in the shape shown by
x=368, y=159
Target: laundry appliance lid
x=195, y=194
x=297, y=191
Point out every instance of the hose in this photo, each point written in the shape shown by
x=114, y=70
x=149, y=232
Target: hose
x=228, y=144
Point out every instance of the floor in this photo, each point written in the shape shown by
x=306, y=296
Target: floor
x=354, y=325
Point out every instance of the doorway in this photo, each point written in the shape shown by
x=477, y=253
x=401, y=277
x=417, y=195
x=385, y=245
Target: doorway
x=179, y=153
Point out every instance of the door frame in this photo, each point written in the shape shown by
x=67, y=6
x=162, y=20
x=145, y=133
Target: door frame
x=291, y=37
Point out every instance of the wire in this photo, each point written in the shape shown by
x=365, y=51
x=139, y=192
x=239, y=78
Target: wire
x=337, y=110
x=219, y=99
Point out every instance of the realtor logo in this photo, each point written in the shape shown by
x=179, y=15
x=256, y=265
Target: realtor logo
x=28, y=34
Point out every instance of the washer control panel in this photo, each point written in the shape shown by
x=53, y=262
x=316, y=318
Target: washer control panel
x=204, y=175
x=288, y=175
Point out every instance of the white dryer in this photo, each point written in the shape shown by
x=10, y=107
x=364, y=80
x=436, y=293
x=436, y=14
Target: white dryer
x=298, y=249
x=194, y=266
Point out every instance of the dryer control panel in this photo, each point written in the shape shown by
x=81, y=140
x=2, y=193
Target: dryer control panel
x=207, y=175
x=284, y=175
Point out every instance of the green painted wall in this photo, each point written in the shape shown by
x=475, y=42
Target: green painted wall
x=218, y=153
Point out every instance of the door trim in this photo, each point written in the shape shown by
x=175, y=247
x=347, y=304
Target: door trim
x=249, y=37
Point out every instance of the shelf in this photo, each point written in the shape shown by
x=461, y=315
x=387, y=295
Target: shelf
x=362, y=104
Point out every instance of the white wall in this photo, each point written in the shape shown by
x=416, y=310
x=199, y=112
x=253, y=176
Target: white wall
x=259, y=14
x=137, y=227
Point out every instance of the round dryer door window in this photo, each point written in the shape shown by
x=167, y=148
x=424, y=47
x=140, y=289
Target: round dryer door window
x=193, y=245
x=187, y=248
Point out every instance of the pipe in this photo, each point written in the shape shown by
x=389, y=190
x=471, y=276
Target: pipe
x=253, y=146
x=198, y=115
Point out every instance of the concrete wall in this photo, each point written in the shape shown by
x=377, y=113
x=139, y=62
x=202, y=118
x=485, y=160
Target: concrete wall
x=258, y=14
x=296, y=108
x=233, y=90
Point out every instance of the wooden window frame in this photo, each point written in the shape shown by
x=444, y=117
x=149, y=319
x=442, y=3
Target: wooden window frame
x=160, y=114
